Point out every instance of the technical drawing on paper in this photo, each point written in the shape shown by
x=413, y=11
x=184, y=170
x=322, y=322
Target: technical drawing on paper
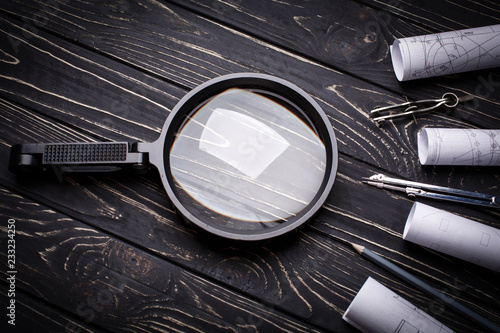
x=459, y=51
x=406, y=326
x=454, y=235
x=447, y=53
x=376, y=308
x=480, y=150
x=454, y=146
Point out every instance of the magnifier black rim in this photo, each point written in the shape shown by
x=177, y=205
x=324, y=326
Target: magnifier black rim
x=276, y=85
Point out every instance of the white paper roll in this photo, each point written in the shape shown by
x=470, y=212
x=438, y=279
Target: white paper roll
x=446, y=53
x=378, y=309
x=453, y=235
x=456, y=146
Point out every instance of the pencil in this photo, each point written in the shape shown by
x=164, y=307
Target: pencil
x=426, y=288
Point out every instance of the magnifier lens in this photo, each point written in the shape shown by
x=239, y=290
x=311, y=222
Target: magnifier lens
x=247, y=160
x=244, y=156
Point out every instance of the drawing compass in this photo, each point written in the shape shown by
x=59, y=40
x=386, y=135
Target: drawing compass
x=415, y=189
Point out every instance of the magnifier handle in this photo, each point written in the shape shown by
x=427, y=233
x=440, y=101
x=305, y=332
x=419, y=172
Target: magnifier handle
x=76, y=157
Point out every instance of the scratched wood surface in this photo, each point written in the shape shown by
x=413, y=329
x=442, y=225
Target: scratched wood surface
x=108, y=253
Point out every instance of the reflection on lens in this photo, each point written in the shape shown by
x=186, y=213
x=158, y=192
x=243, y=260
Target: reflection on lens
x=247, y=157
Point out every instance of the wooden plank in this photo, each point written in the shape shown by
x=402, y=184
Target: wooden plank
x=442, y=16
x=118, y=107
x=119, y=287
x=31, y=312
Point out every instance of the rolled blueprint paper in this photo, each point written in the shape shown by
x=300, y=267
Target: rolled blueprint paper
x=458, y=146
x=446, y=53
x=378, y=309
x=453, y=235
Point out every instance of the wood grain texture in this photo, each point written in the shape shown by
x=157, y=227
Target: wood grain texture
x=114, y=70
x=33, y=313
x=295, y=278
x=117, y=286
x=355, y=37
x=452, y=16
x=338, y=94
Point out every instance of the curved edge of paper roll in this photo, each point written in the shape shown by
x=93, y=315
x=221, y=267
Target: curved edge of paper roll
x=376, y=308
x=359, y=303
x=423, y=146
x=398, y=60
x=409, y=220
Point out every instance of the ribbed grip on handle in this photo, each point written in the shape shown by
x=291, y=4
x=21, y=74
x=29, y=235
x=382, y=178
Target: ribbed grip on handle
x=69, y=153
x=76, y=157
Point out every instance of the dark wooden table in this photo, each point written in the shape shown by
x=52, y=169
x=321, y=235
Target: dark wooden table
x=107, y=253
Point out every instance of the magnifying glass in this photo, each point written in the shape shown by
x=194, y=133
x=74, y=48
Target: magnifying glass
x=243, y=156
